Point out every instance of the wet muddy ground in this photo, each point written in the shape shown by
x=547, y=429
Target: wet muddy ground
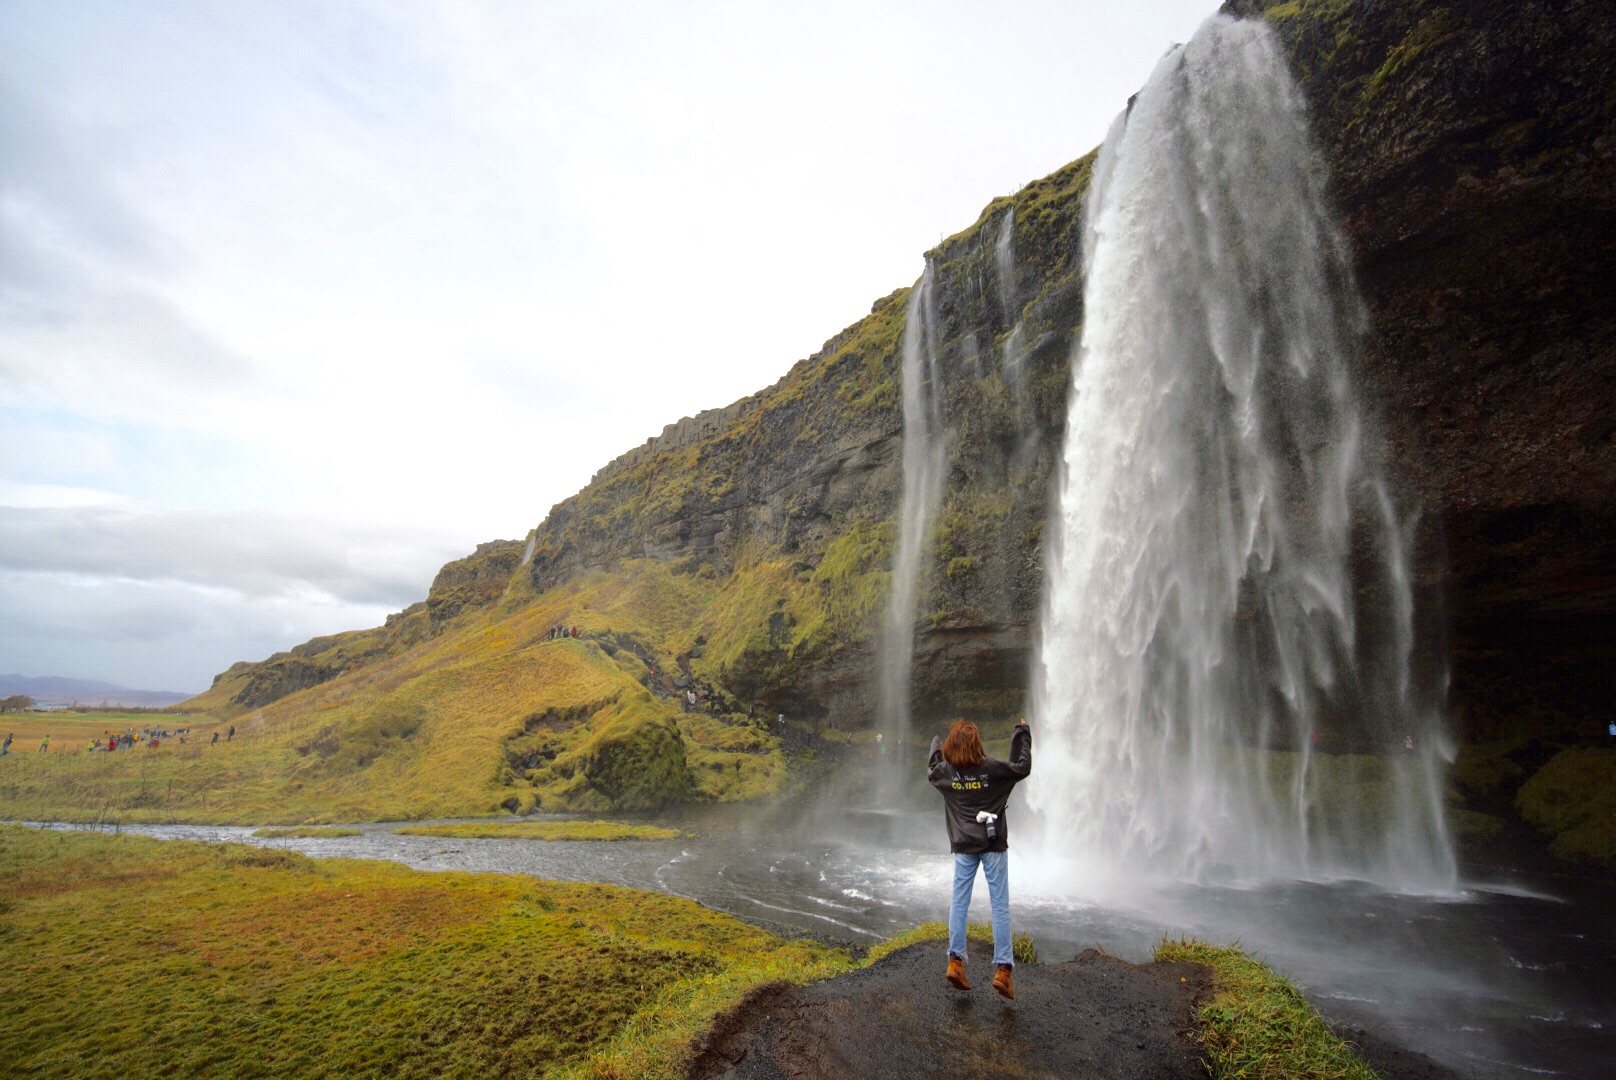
x=1096, y=1017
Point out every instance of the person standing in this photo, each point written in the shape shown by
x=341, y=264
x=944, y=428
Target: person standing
x=975, y=790
x=45, y=746
x=5, y=747
x=232, y=733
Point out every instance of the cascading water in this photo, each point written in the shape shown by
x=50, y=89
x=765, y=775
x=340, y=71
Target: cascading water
x=923, y=450
x=1014, y=364
x=1224, y=687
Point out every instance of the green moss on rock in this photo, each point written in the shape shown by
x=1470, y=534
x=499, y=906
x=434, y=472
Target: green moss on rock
x=1573, y=799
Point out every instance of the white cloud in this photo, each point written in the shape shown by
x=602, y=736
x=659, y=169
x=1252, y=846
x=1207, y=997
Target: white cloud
x=427, y=265
x=154, y=636
x=251, y=553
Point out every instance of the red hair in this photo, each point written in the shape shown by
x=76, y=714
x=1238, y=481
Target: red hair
x=963, y=747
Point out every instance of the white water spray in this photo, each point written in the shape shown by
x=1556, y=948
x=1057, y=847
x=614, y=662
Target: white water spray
x=1228, y=592
x=923, y=454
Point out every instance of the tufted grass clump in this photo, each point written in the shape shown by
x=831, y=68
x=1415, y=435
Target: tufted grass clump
x=1257, y=1025
x=128, y=956
x=543, y=830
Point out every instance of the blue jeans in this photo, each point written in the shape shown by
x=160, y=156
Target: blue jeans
x=996, y=868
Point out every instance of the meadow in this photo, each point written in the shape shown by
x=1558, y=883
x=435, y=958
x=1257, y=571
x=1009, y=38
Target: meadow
x=122, y=955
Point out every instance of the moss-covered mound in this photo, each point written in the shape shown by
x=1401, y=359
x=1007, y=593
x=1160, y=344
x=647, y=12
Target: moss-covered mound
x=1573, y=799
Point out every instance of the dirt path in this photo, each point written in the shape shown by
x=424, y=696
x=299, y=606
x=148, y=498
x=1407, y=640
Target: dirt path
x=1096, y=1017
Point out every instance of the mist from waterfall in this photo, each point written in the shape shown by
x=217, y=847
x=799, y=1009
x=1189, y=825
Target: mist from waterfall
x=1226, y=684
x=923, y=455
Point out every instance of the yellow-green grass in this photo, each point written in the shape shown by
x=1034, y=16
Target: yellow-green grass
x=305, y=832
x=543, y=830
x=123, y=955
x=1256, y=1025
x=425, y=733
x=74, y=731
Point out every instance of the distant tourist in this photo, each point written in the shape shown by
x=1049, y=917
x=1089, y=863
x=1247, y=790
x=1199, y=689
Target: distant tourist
x=1611, y=729
x=975, y=789
x=215, y=741
x=232, y=734
x=44, y=746
x=5, y=747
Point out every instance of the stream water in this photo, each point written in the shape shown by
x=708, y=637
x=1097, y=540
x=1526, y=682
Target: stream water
x=1493, y=980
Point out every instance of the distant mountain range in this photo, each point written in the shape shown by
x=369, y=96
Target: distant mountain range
x=54, y=691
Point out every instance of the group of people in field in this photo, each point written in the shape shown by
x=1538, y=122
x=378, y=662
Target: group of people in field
x=565, y=632
x=132, y=740
x=129, y=739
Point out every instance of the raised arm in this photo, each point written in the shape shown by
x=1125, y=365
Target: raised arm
x=938, y=771
x=1020, y=763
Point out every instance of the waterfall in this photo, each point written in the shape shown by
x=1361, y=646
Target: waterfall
x=923, y=451
x=1013, y=367
x=1004, y=261
x=1226, y=673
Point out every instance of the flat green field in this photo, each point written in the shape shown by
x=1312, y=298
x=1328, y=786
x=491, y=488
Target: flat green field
x=125, y=956
x=71, y=732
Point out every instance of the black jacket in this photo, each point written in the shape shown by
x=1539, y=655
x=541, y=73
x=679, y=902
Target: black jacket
x=979, y=787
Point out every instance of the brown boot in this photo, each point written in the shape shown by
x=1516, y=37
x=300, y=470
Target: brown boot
x=1001, y=982
x=956, y=974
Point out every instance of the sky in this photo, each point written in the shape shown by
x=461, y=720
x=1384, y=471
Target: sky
x=300, y=300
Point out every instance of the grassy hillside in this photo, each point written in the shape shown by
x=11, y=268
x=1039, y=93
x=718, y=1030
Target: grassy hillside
x=491, y=713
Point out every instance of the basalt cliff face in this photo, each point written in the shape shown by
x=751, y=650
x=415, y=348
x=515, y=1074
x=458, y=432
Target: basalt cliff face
x=1472, y=148
x=1472, y=152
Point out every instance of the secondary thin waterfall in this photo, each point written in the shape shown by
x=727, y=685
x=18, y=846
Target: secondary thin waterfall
x=922, y=485
x=1225, y=686
x=1013, y=367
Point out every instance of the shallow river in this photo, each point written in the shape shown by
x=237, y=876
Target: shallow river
x=1495, y=981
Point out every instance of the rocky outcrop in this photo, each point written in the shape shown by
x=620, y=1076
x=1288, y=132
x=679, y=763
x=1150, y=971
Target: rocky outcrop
x=473, y=582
